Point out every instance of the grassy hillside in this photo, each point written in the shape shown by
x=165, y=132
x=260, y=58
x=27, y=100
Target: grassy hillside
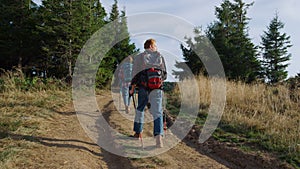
x=25, y=104
x=256, y=117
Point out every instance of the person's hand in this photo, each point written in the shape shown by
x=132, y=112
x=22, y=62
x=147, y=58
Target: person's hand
x=131, y=91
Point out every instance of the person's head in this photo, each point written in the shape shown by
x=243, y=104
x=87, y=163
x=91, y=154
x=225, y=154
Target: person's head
x=150, y=44
x=128, y=59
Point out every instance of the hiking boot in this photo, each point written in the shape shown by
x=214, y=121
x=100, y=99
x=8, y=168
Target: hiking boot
x=159, y=142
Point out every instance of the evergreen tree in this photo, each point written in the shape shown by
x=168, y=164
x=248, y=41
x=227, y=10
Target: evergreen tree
x=275, y=52
x=119, y=37
x=193, y=55
x=67, y=25
x=229, y=35
x=18, y=38
x=123, y=47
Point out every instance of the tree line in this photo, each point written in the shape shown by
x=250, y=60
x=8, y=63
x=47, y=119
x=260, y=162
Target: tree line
x=45, y=40
x=241, y=58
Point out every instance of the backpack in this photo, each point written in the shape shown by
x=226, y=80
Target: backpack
x=153, y=78
x=149, y=70
x=126, y=72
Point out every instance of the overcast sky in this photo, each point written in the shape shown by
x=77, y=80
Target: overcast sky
x=202, y=12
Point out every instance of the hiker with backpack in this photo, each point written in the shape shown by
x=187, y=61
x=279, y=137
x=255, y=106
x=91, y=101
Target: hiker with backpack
x=149, y=70
x=125, y=76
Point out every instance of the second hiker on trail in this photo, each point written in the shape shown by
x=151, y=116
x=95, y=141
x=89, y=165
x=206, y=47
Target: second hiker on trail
x=125, y=76
x=149, y=70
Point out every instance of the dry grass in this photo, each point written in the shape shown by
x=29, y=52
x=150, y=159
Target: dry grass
x=268, y=112
x=23, y=112
x=265, y=109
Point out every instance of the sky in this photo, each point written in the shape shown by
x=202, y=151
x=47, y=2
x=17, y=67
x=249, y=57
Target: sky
x=202, y=13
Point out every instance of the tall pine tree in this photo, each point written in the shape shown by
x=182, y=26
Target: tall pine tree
x=194, y=55
x=122, y=47
x=18, y=38
x=66, y=26
x=275, y=52
x=229, y=35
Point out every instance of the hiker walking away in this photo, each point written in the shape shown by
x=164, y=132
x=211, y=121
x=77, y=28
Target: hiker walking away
x=125, y=76
x=149, y=70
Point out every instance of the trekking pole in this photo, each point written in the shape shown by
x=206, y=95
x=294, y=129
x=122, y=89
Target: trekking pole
x=140, y=135
x=133, y=100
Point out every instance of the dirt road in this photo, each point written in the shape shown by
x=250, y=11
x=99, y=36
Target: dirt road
x=65, y=144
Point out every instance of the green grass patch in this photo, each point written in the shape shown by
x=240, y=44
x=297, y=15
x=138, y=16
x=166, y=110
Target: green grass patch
x=159, y=162
x=9, y=124
x=7, y=153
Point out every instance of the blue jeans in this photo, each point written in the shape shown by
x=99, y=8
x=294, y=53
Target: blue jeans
x=155, y=98
x=125, y=94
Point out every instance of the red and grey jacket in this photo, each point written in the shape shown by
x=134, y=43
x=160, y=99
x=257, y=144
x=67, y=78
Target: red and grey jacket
x=144, y=61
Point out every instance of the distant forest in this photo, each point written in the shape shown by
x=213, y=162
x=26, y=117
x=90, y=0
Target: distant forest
x=45, y=41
